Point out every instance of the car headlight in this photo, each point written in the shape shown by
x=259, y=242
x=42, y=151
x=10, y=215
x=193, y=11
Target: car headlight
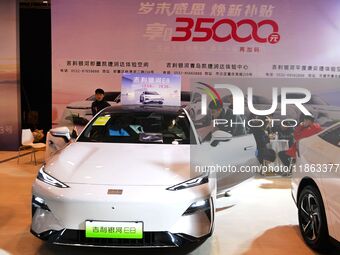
x=191, y=183
x=201, y=205
x=44, y=177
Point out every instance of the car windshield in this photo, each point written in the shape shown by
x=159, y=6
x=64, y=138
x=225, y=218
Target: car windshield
x=332, y=135
x=109, y=96
x=314, y=99
x=261, y=100
x=255, y=100
x=151, y=93
x=162, y=127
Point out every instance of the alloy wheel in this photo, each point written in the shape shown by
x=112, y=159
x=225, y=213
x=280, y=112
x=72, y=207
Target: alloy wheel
x=310, y=216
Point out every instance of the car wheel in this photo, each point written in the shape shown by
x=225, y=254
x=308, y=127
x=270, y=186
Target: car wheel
x=312, y=219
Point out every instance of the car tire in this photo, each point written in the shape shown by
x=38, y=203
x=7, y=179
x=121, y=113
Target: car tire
x=312, y=219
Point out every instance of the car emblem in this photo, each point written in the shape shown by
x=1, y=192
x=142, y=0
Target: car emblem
x=114, y=191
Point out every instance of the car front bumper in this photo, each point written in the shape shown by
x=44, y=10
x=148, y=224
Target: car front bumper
x=70, y=237
x=59, y=215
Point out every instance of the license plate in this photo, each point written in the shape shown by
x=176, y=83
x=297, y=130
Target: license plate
x=117, y=230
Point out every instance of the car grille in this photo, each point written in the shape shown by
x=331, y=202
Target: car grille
x=150, y=239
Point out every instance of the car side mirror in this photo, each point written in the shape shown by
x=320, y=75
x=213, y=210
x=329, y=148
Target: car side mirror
x=62, y=132
x=220, y=136
x=74, y=134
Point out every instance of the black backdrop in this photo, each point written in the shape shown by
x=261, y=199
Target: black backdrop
x=35, y=67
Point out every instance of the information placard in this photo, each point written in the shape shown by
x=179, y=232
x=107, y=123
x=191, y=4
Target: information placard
x=153, y=89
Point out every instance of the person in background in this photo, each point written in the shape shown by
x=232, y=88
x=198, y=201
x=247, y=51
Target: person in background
x=307, y=128
x=99, y=104
x=261, y=137
x=286, y=133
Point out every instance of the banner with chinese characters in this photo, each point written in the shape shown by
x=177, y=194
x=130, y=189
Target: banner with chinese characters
x=151, y=89
x=9, y=88
x=95, y=41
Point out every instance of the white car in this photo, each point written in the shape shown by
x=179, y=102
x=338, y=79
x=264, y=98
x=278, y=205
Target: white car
x=82, y=109
x=127, y=181
x=76, y=125
x=316, y=188
x=324, y=113
x=151, y=97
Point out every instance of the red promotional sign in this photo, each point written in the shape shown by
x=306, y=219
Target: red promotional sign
x=204, y=40
x=188, y=30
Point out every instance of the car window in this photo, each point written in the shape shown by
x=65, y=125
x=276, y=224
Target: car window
x=151, y=93
x=196, y=98
x=205, y=127
x=237, y=129
x=139, y=127
x=261, y=100
x=332, y=135
x=228, y=99
x=291, y=96
x=316, y=100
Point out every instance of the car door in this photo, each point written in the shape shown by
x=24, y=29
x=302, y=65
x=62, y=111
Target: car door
x=329, y=149
x=238, y=153
x=228, y=158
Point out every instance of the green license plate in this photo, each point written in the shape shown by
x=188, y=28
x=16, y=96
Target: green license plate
x=121, y=230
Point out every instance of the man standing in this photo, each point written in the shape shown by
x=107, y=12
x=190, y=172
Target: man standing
x=307, y=128
x=99, y=104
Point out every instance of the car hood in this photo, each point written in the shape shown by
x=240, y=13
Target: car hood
x=121, y=164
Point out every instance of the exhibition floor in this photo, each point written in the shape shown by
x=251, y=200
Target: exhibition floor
x=259, y=218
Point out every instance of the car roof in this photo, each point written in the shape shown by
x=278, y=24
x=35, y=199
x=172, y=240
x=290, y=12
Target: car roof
x=141, y=108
